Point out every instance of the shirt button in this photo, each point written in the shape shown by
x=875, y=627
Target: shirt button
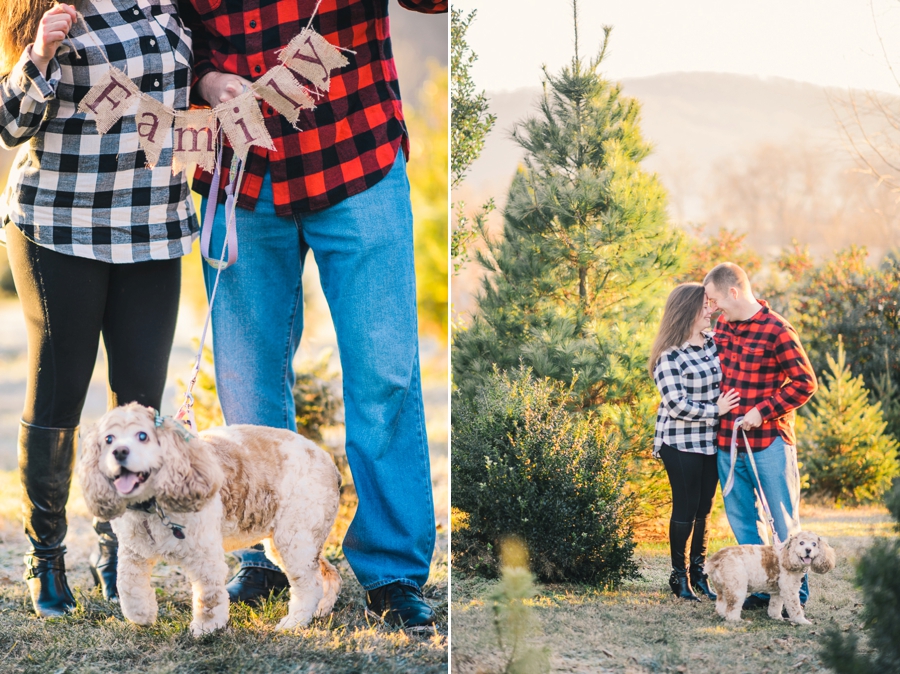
x=136, y=12
x=715, y=370
x=253, y=24
x=270, y=111
x=155, y=83
x=258, y=69
x=152, y=43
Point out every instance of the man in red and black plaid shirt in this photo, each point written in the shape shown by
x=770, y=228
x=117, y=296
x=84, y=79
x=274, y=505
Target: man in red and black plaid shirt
x=762, y=359
x=338, y=187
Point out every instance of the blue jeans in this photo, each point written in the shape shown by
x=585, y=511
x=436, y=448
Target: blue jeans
x=364, y=250
x=780, y=478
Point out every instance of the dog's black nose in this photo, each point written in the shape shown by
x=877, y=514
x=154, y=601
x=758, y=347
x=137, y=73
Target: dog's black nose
x=808, y=550
x=121, y=453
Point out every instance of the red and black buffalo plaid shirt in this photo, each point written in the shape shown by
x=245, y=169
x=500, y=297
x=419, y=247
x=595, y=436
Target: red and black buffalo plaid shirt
x=763, y=360
x=349, y=142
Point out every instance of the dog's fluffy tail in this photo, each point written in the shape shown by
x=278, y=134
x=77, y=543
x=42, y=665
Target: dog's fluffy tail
x=711, y=565
x=331, y=587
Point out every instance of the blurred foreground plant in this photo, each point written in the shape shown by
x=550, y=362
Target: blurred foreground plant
x=515, y=622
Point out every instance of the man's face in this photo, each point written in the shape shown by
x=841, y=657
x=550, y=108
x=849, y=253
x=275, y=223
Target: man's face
x=725, y=301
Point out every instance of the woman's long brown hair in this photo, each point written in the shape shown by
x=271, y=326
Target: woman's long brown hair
x=682, y=308
x=19, y=21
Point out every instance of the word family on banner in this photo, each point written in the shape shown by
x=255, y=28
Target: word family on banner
x=308, y=54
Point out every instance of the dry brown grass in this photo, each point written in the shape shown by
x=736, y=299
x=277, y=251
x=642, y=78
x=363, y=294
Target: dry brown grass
x=642, y=628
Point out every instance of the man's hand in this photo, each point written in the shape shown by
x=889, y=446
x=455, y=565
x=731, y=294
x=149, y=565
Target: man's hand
x=215, y=87
x=753, y=419
x=52, y=30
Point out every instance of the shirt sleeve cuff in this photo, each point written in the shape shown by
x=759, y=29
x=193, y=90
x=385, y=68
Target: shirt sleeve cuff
x=27, y=77
x=201, y=68
x=766, y=410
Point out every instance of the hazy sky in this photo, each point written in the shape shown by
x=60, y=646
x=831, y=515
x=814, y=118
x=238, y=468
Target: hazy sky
x=826, y=42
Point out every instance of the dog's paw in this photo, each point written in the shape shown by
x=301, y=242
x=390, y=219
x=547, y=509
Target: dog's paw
x=290, y=622
x=800, y=620
x=198, y=629
x=144, y=618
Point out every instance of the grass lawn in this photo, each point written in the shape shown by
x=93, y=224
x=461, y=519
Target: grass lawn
x=642, y=628
x=97, y=639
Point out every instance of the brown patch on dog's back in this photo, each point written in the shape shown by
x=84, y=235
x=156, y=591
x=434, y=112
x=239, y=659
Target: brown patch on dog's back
x=770, y=564
x=248, y=496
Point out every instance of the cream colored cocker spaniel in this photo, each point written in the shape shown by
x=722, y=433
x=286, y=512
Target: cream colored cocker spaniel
x=186, y=499
x=741, y=569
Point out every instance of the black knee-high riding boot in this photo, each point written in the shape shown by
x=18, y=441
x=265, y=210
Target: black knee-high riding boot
x=699, y=543
x=46, y=461
x=679, y=533
x=104, y=559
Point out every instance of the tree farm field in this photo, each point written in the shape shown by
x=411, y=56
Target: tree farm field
x=641, y=628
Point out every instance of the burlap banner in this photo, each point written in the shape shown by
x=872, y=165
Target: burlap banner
x=308, y=55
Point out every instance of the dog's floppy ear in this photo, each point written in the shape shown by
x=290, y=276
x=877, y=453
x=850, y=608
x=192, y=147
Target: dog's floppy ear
x=189, y=474
x=103, y=501
x=825, y=560
x=789, y=561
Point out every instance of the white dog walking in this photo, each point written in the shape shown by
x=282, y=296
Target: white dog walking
x=739, y=570
x=173, y=495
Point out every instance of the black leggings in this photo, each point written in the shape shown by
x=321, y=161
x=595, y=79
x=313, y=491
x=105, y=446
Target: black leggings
x=68, y=303
x=694, y=478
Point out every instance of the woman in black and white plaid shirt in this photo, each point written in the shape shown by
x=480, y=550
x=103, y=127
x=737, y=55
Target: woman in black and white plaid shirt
x=686, y=370
x=95, y=240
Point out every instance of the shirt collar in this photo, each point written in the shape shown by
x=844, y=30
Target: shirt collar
x=706, y=333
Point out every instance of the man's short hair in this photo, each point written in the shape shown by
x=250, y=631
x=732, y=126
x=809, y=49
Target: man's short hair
x=727, y=275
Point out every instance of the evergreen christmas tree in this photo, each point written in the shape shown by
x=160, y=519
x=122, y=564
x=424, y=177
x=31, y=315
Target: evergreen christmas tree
x=584, y=252
x=844, y=446
x=877, y=577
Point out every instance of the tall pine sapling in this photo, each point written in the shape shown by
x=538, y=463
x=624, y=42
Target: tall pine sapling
x=585, y=250
x=844, y=446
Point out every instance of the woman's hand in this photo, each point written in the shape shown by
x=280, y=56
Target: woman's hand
x=215, y=87
x=728, y=401
x=52, y=30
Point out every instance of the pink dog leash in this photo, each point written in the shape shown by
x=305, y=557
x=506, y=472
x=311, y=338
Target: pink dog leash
x=729, y=483
x=229, y=245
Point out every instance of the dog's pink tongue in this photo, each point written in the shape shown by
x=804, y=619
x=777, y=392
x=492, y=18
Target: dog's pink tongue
x=126, y=482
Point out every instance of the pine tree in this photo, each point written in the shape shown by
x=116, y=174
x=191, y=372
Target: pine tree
x=471, y=122
x=584, y=251
x=843, y=445
x=877, y=577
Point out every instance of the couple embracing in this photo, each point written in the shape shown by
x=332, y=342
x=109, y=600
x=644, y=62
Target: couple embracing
x=753, y=370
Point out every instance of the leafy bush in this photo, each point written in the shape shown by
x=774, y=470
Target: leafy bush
x=524, y=465
x=876, y=575
x=844, y=447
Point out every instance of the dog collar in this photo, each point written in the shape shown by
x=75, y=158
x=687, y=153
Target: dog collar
x=151, y=506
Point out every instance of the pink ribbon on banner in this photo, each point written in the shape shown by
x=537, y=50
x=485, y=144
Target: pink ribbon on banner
x=212, y=204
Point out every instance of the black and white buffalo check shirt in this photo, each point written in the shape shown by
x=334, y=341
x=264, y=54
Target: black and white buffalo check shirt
x=688, y=378
x=81, y=193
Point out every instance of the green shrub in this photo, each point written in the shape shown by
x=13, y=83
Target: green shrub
x=844, y=447
x=876, y=575
x=524, y=465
